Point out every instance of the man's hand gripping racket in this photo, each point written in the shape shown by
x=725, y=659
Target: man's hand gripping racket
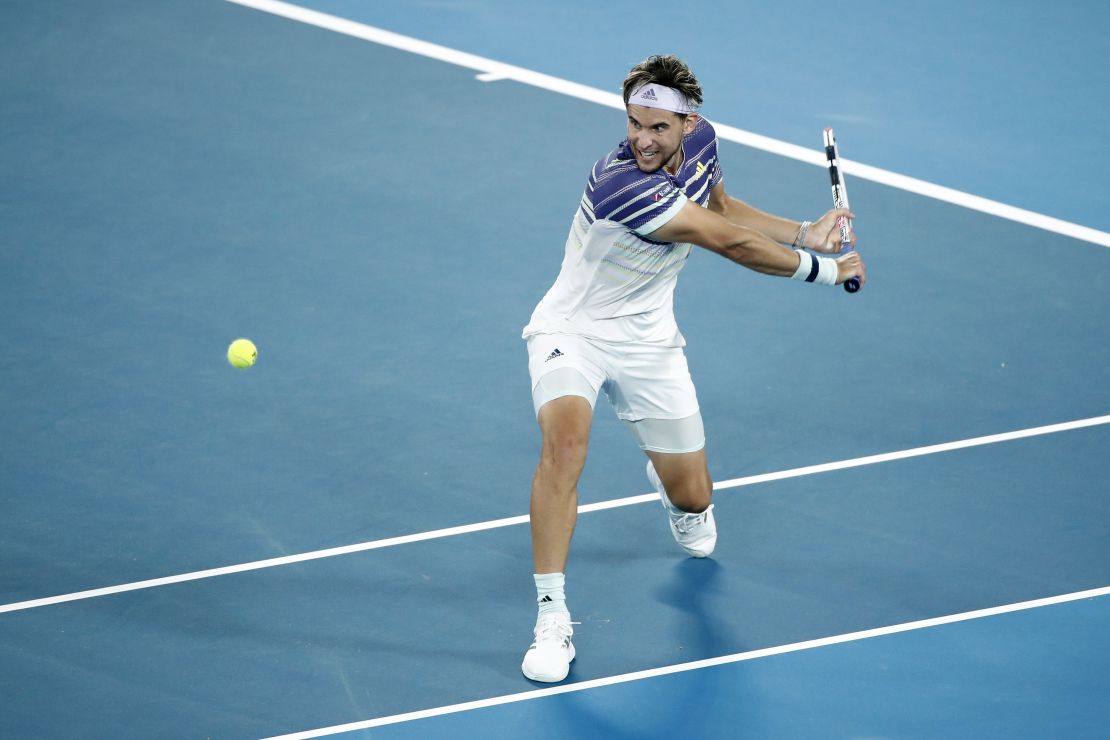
x=840, y=200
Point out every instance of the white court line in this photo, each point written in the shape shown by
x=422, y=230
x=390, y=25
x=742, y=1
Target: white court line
x=585, y=508
x=696, y=665
x=490, y=69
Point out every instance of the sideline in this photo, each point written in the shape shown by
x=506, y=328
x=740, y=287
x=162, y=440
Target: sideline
x=523, y=519
x=696, y=665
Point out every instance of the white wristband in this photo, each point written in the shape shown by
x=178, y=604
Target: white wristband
x=828, y=271
x=814, y=269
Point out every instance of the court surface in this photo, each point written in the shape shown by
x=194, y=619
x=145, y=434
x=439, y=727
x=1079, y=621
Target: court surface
x=915, y=533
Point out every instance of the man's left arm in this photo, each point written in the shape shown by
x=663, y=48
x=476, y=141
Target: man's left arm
x=822, y=235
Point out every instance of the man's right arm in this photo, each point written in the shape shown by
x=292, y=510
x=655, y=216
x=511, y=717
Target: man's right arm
x=750, y=248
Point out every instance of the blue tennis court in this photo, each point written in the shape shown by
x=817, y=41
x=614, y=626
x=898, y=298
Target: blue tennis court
x=915, y=533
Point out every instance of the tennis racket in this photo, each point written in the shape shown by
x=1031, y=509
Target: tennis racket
x=840, y=200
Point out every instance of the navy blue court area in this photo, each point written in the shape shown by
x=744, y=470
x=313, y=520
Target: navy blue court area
x=951, y=681
x=335, y=541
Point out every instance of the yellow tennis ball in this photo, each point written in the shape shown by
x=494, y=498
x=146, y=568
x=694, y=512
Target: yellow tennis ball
x=242, y=353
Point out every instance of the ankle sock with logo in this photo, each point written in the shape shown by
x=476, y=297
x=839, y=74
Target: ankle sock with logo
x=549, y=593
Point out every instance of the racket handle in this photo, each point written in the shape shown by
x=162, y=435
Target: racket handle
x=851, y=285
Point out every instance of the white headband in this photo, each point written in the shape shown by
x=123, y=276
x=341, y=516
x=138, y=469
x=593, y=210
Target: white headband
x=654, y=95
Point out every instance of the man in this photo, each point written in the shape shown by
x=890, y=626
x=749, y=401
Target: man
x=607, y=323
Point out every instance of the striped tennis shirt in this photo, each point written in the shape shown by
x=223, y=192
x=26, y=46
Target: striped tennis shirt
x=616, y=284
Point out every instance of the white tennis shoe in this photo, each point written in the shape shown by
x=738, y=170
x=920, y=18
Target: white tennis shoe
x=549, y=657
x=695, y=533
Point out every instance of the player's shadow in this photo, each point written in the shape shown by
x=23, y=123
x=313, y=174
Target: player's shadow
x=691, y=590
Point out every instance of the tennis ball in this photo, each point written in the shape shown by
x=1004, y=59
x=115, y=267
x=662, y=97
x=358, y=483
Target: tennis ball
x=242, y=353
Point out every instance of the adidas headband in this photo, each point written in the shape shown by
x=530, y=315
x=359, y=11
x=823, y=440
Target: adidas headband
x=654, y=95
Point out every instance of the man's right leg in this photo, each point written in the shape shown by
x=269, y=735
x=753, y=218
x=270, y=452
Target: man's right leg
x=565, y=429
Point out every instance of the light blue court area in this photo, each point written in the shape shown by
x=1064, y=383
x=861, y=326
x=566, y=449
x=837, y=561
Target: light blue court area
x=952, y=681
x=1006, y=100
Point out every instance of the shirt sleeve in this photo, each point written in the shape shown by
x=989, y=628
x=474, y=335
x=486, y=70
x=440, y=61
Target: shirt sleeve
x=643, y=202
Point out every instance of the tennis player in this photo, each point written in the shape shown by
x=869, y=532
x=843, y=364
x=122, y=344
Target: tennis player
x=607, y=324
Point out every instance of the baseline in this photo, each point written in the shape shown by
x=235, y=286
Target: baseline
x=491, y=70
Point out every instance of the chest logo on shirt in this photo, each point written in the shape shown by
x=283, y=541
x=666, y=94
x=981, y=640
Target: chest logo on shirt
x=700, y=170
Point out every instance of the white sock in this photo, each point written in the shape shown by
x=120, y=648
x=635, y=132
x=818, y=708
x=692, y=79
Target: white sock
x=549, y=594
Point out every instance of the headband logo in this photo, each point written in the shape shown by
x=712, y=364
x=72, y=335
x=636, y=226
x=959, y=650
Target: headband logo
x=654, y=95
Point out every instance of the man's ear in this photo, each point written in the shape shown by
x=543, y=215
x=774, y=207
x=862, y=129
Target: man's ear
x=691, y=121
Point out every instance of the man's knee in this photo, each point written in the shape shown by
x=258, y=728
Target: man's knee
x=565, y=426
x=686, y=479
x=564, y=450
x=692, y=492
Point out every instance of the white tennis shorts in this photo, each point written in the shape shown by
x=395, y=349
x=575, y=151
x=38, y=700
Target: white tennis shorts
x=649, y=387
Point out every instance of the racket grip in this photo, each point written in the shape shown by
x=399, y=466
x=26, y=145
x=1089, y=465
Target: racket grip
x=851, y=285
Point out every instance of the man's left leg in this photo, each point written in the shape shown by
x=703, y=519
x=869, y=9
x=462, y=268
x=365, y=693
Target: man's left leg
x=654, y=395
x=686, y=491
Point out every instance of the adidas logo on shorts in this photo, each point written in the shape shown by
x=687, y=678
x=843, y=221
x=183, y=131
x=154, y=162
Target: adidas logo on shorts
x=553, y=355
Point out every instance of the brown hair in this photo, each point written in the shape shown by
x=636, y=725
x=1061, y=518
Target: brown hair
x=666, y=70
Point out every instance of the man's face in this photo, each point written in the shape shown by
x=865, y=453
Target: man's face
x=656, y=136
